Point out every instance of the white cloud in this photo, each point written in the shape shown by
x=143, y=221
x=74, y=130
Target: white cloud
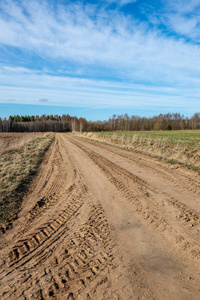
x=182, y=17
x=121, y=2
x=43, y=100
x=99, y=43
x=184, y=25
x=72, y=91
x=113, y=42
x=182, y=6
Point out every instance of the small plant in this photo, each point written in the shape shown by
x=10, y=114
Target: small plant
x=157, y=126
x=168, y=127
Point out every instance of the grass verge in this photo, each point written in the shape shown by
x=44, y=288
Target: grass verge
x=17, y=168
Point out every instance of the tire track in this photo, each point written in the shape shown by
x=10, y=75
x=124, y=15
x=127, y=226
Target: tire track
x=81, y=266
x=64, y=246
x=142, y=196
x=27, y=246
x=69, y=258
x=179, y=178
x=183, y=213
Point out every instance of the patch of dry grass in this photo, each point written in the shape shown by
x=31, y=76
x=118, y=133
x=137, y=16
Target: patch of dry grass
x=13, y=141
x=18, y=164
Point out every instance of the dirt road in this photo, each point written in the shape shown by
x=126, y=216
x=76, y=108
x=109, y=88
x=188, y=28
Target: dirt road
x=104, y=223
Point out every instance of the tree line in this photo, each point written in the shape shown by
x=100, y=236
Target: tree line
x=65, y=123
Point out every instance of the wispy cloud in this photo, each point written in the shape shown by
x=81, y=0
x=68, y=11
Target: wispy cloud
x=121, y=2
x=80, y=92
x=180, y=17
x=91, y=53
x=7, y=100
x=43, y=100
x=110, y=40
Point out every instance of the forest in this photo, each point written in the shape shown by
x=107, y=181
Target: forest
x=66, y=123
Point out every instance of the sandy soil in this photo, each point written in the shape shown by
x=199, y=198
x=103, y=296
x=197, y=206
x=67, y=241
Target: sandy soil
x=104, y=223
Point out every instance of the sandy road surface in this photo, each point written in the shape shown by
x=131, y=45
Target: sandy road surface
x=103, y=223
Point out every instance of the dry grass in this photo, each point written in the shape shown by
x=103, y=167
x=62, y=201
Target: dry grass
x=180, y=147
x=14, y=141
x=19, y=161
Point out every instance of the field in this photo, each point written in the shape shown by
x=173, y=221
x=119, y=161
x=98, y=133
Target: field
x=181, y=146
x=189, y=138
x=100, y=222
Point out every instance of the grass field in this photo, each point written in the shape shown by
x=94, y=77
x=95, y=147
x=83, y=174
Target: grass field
x=181, y=146
x=20, y=157
x=189, y=138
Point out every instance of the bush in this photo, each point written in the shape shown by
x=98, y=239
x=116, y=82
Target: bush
x=157, y=126
x=169, y=127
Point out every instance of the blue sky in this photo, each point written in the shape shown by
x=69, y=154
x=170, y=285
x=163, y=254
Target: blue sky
x=97, y=58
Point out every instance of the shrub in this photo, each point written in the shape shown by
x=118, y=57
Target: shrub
x=169, y=127
x=157, y=126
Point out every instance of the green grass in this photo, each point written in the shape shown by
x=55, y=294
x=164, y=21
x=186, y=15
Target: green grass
x=17, y=168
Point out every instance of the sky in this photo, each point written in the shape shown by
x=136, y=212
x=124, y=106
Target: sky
x=94, y=59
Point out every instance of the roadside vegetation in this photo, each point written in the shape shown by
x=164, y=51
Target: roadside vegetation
x=20, y=158
x=177, y=146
